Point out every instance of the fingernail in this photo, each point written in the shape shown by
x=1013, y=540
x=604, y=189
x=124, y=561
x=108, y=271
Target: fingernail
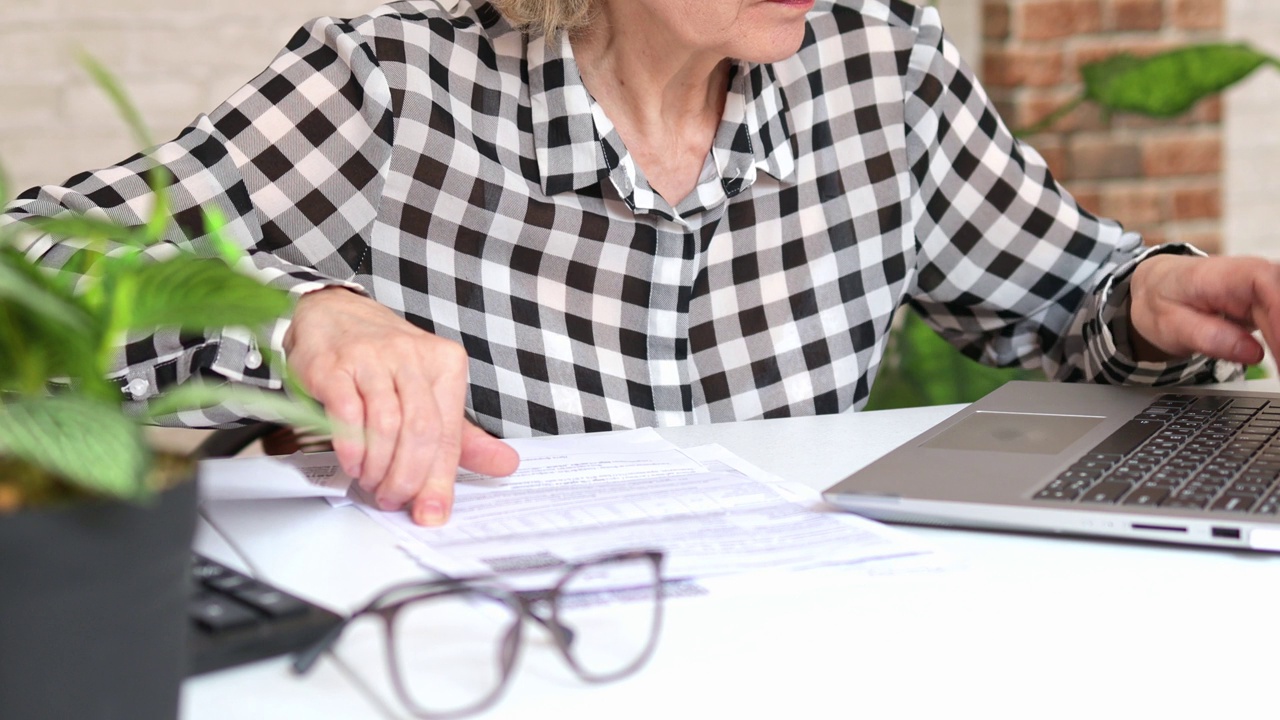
x=1246, y=352
x=354, y=471
x=430, y=514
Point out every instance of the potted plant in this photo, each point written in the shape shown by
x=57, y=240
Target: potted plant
x=96, y=527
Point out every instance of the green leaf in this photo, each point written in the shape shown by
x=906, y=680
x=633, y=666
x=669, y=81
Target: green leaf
x=80, y=227
x=195, y=294
x=1170, y=83
x=44, y=332
x=215, y=224
x=115, y=92
x=88, y=443
x=264, y=404
x=158, y=179
x=24, y=286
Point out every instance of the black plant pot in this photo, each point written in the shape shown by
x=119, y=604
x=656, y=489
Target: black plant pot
x=93, y=600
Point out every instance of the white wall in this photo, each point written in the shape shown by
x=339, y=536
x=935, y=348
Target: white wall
x=1251, y=195
x=177, y=59
x=963, y=21
x=1251, y=187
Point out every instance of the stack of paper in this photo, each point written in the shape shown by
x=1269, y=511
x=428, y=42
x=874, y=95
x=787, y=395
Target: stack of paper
x=580, y=496
x=577, y=497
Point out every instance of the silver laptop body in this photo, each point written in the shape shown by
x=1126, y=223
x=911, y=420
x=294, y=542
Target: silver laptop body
x=984, y=467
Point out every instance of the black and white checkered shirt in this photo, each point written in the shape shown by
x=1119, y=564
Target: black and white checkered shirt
x=460, y=173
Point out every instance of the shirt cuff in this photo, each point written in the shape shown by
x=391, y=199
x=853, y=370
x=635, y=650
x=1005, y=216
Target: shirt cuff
x=1116, y=331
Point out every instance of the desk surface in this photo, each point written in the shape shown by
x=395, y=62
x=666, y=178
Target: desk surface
x=1024, y=627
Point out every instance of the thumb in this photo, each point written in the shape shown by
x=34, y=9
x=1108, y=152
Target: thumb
x=484, y=453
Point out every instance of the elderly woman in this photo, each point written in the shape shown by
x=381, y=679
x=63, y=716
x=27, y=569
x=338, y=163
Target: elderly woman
x=554, y=216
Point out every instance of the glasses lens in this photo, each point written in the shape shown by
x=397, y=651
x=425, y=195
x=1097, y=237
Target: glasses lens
x=611, y=610
x=452, y=651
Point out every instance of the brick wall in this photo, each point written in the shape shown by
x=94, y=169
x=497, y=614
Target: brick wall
x=177, y=58
x=1161, y=178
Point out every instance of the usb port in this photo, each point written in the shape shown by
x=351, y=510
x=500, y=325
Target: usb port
x=1226, y=532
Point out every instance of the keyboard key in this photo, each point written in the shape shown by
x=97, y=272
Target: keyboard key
x=1128, y=437
x=269, y=600
x=1198, y=501
x=1147, y=495
x=1056, y=494
x=1235, y=503
x=227, y=582
x=1209, y=403
x=1104, y=459
x=1248, y=402
x=220, y=613
x=1106, y=492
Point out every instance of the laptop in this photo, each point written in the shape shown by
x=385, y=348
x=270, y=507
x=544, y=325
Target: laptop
x=1189, y=465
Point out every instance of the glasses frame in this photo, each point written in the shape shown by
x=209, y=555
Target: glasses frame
x=524, y=604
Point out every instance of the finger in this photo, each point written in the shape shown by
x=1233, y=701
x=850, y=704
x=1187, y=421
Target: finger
x=382, y=417
x=1265, y=310
x=1189, y=331
x=413, y=448
x=486, y=454
x=342, y=402
x=435, y=499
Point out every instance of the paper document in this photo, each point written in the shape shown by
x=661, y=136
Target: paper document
x=273, y=477
x=581, y=496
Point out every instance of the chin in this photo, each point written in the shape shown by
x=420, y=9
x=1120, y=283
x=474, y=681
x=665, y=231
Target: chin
x=776, y=46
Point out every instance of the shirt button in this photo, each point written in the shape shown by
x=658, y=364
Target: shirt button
x=138, y=387
x=253, y=360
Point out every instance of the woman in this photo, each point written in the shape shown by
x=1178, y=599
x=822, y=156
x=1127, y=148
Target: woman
x=574, y=215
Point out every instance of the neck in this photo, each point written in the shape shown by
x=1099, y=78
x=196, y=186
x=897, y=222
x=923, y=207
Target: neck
x=644, y=77
x=664, y=98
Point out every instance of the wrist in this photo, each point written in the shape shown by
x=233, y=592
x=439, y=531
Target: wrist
x=1143, y=284
x=307, y=304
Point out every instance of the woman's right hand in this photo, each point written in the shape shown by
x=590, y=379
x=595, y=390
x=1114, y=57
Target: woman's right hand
x=404, y=388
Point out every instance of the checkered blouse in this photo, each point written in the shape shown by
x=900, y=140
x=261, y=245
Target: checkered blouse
x=460, y=173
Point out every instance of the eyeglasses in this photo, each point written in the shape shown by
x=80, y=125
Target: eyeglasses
x=603, y=615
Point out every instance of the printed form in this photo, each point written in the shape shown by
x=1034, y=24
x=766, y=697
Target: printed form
x=576, y=497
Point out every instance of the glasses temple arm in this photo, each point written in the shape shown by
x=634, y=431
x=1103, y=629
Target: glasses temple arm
x=305, y=658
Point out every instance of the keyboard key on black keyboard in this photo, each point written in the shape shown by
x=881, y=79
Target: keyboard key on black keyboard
x=1128, y=437
x=236, y=619
x=218, y=613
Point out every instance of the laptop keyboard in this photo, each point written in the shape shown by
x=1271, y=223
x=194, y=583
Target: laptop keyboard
x=236, y=619
x=1207, y=452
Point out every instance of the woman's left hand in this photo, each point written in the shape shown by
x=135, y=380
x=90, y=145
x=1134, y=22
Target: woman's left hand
x=1181, y=305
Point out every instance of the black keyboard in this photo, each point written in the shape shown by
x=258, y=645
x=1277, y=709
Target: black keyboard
x=236, y=619
x=1207, y=452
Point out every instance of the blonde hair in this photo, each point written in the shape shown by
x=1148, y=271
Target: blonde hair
x=546, y=16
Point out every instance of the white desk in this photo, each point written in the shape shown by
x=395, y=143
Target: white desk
x=1029, y=627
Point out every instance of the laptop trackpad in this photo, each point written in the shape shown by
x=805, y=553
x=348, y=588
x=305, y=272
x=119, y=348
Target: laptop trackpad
x=1014, y=432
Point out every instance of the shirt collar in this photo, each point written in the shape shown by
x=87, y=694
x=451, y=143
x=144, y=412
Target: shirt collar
x=577, y=147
